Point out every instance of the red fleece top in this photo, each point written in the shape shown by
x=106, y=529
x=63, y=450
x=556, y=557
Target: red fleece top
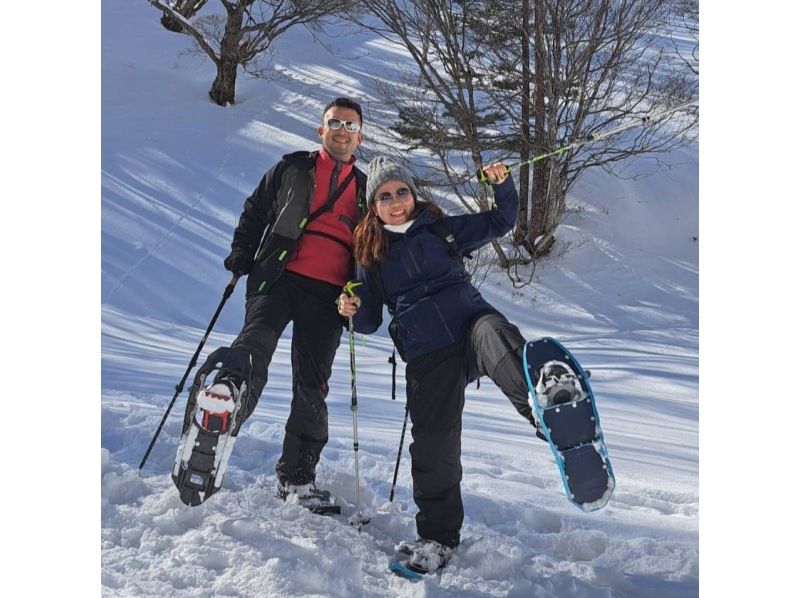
x=321, y=257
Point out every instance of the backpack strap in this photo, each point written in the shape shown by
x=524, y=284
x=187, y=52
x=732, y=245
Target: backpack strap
x=361, y=193
x=445, y=235
x=332, y=199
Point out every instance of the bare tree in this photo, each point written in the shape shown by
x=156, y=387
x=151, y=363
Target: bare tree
x=594, y=64
x=605, y=64
x=186, y=8
x=685, y=33
x=440, y=106
x=243, y=34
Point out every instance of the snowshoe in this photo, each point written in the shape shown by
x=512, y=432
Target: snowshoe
x=423, y=557
x=563, y=403
x=310, y=497
x=211, y=423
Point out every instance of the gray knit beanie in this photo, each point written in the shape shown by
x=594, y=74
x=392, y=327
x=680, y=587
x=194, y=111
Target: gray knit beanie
x=382, y=170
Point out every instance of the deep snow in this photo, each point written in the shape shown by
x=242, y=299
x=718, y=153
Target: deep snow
x=621, y=291
x=51, y=330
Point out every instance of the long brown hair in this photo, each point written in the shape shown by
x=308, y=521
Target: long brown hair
x=370, y=240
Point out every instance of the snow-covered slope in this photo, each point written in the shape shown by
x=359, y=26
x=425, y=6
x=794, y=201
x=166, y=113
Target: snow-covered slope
x=621, y=291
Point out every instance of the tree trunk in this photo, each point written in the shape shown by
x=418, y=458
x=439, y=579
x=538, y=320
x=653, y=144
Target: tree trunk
x=539, y=196
x=544, y=246
x=556, y=202
x=223, y=91
x=501, y=255
x=520, y=235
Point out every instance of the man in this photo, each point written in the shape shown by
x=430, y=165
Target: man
x=309, y=204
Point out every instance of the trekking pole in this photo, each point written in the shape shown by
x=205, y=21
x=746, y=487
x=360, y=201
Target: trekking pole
x=399, y=453
x=179, y=387
x=393, y=361
x=645, y=120
x=358, y=519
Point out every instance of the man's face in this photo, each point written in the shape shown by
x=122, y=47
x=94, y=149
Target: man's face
x=339, y=143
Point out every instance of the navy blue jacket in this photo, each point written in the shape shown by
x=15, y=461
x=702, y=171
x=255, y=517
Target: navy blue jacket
x=430, y=290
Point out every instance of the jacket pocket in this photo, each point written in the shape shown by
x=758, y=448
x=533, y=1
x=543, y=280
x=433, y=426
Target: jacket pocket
x=270, y=263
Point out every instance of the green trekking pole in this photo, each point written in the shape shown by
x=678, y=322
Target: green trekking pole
x=643, y=121
x=358, y=519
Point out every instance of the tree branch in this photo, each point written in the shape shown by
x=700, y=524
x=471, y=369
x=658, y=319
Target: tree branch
x=188, y=27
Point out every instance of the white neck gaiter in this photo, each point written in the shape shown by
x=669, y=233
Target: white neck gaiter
x=399, y=228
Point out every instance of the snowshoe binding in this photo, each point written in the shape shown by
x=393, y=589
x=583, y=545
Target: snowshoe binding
x=557, y=385
x=310, y=497
x=423, y=557
x=211, y=423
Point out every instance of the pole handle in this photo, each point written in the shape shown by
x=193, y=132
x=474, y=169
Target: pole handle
x=349, y=288
x=231, y=285
x=485, y=179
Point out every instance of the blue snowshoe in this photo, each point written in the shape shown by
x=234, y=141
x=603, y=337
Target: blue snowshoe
x=562, y=399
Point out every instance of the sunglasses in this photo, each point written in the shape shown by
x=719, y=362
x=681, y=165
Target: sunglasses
x=401, y=194
x=334, y=124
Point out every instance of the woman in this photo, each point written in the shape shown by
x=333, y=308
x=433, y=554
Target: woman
x=445, y=331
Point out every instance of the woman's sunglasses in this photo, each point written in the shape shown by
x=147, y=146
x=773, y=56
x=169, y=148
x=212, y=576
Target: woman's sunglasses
x=401, y=194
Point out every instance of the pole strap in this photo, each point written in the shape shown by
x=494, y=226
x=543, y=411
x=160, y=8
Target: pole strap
x=393, y=361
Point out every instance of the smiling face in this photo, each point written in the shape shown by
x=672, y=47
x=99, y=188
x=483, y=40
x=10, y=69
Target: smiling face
x=399, y=208
x=339, y=143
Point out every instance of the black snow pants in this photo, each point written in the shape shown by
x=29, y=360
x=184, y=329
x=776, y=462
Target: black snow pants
x=435, y=385
x=317, y=330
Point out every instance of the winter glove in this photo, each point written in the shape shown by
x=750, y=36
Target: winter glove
x=239, y=262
